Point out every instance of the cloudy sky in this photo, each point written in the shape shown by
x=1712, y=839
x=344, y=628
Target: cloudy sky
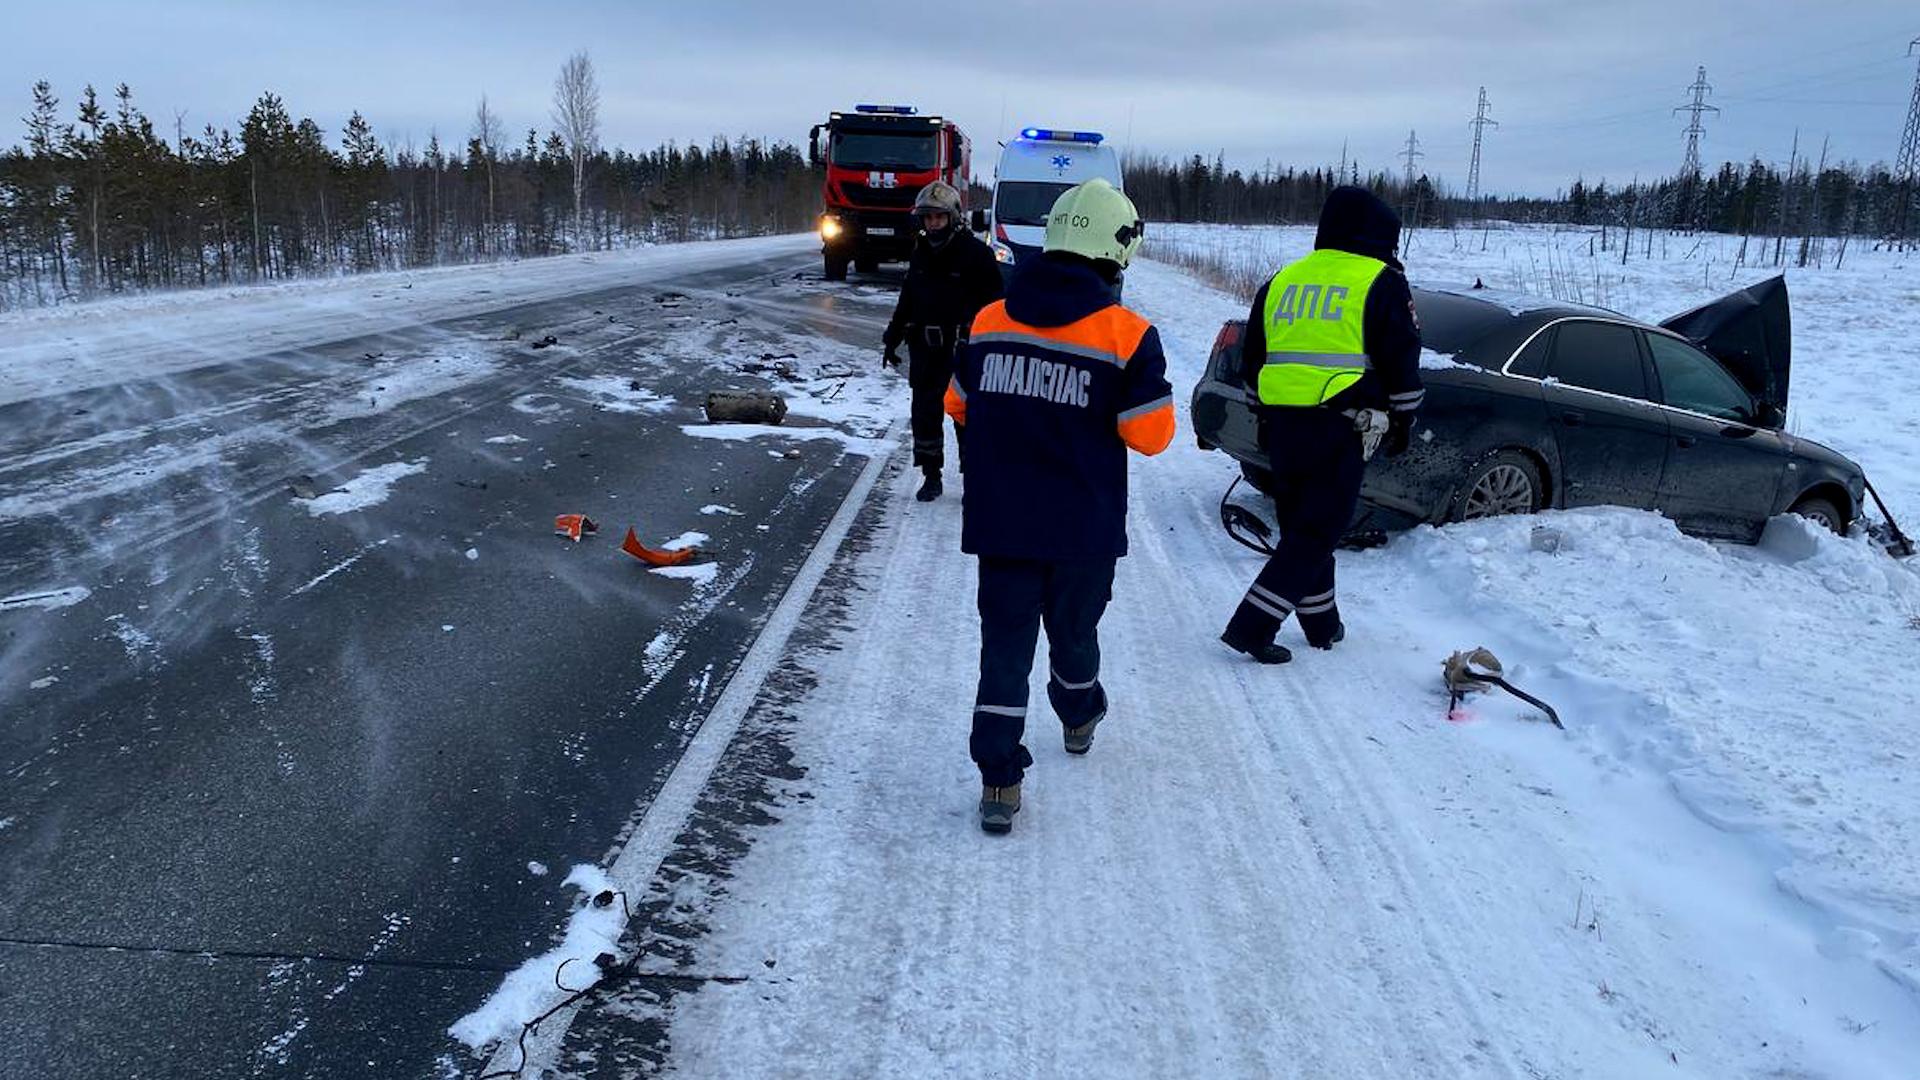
x=1579, y=88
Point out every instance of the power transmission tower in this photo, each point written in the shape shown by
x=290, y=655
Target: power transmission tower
x=1908, y=162
x=1479, y=122
x=1411, y=153
x=1700, y=88
x=1690, y=169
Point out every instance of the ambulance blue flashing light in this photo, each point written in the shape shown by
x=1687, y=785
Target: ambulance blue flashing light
x=1050, y=135
x=888, y=110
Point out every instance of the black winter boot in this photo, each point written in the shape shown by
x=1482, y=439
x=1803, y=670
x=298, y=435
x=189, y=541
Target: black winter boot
x=931, y=488
x=1339, y=635
x=1267, y=652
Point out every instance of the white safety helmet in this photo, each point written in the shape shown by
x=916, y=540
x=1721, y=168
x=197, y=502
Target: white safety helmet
x=1095, y=221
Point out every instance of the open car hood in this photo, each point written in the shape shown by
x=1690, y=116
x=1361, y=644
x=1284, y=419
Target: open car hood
x=1750, y=332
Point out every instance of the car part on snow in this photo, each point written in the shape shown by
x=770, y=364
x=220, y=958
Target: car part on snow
x=1546, y=538
x=1244, y=525
x=1896, y=543
x=1372, y=425
x=1469, y=671
x=745, y=407
x=573, y=526
x=656, y=557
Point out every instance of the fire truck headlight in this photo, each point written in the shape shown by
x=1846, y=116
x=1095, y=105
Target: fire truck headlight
x=830, y=228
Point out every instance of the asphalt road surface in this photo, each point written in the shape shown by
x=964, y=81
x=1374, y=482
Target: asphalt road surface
x=283, y=792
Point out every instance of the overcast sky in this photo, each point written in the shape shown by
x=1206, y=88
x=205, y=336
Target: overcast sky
x=1579, y=88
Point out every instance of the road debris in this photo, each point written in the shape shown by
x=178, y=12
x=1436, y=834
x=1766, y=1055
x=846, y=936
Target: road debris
x=745, y=407
x=656, y=557
x=574, y=526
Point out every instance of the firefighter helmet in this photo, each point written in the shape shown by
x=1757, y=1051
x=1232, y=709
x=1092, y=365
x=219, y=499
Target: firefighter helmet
x=937, y=197
x=1095, y=221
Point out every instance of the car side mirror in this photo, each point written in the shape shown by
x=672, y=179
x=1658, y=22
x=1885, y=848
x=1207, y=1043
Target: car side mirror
x=1769, y=416
x=978, y=220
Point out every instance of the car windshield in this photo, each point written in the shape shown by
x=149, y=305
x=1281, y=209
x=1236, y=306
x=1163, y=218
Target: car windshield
x=1025, y=202
x=876, y=150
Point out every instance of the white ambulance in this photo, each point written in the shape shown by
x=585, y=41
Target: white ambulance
x=1034, y=169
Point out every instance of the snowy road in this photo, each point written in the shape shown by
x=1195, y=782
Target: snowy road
x=1305, y=871
x=302, y=696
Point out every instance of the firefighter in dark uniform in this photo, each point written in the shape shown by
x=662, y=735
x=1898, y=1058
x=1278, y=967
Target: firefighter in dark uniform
x=1057, y=383
x=951, y=275
x=1332, y=350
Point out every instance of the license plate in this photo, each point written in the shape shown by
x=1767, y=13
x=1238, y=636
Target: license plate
x=880, y=230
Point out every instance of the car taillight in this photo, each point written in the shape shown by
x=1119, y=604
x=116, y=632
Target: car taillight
x=1230, y=334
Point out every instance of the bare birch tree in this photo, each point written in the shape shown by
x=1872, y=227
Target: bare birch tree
x=576, y=113
x=488, y=134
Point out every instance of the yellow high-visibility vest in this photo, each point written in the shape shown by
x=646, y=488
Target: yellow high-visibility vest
x=1315, y=323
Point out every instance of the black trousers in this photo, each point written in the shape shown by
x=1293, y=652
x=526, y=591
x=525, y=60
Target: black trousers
x=1018, y=596
x=1315, y=456
x=929, y=370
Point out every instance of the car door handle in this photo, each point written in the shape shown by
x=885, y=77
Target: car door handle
x=1686, y=440
x=1573, y=419
x=1736, y=431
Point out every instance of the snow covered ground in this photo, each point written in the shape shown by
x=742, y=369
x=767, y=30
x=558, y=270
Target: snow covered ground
x=1314, y=871
x=59, y=350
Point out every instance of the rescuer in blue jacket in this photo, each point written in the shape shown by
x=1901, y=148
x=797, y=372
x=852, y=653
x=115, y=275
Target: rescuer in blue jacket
x=1332, y=351
x=1057, y=383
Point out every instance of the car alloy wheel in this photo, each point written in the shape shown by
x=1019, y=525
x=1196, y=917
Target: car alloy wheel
x=1503, y=489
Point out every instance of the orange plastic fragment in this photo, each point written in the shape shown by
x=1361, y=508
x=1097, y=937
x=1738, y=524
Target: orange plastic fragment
x=572, y=526
x=632, y=546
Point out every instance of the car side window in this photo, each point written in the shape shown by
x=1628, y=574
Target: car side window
x=1599, y=356
x=1690, y=379
x=1531, y=361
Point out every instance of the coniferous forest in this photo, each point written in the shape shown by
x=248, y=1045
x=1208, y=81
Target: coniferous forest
x=96, y=200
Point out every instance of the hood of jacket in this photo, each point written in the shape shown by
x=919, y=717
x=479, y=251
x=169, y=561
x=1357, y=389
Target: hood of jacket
x=1354, y=220
x=1055, y=292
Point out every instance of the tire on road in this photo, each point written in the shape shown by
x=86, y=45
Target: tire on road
x=1503, y=482
x=835, y=269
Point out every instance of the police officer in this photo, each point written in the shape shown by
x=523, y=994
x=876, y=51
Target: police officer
x=1056, y=384
x=1333, y=351
x=951, y=275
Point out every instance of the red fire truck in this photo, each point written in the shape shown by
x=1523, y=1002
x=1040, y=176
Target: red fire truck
x=877, y=158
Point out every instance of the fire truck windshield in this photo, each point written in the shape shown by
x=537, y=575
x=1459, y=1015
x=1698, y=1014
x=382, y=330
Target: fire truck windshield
x=873, y=150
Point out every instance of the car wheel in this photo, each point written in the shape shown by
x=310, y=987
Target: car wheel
x=1507, y=482
x=835, y=269
x=1821, y=512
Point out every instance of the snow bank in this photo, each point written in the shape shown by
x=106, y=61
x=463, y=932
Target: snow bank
x=60, y=350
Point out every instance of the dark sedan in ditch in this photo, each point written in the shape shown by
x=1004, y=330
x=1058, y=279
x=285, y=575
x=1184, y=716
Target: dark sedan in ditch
x=1533, y=404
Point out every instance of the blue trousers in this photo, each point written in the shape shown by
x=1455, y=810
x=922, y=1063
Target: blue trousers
x=1017, y=597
